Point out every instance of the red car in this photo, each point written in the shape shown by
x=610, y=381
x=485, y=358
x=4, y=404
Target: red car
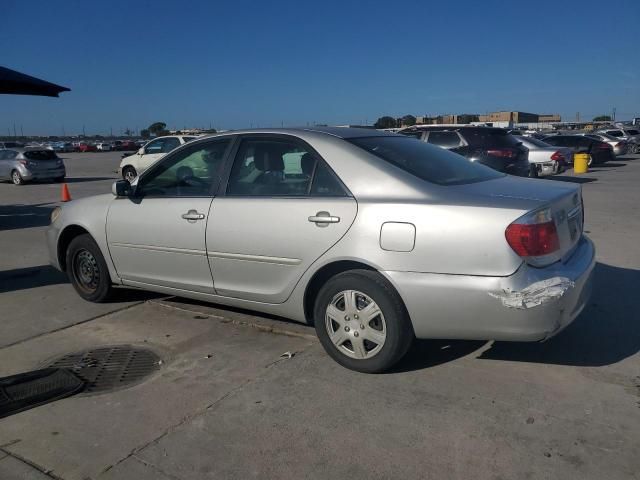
x=87, y=147
x=128, y=146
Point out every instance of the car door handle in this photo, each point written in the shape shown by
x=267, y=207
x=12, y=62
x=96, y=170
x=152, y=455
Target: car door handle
x=322, y=219
x=193, y=215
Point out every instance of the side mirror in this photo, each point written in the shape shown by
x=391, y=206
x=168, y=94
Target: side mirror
x=141, y=151
x=121, y=188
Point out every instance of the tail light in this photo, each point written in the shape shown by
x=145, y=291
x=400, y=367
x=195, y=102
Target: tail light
x=557, y=156
x=505, y=153
x=533, y=235
x=604, y=146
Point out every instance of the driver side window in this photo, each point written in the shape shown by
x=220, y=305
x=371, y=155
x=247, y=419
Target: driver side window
x=194, y=171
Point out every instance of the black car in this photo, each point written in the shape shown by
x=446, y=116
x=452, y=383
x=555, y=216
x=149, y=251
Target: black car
x=600, y=152
x=493, y=147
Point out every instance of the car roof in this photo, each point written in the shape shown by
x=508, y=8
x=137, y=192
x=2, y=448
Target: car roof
x=336, y=132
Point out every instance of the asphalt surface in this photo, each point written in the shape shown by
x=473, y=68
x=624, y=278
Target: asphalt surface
x=226, y=404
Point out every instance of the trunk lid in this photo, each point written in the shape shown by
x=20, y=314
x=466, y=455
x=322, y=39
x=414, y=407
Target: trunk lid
x=524, y=195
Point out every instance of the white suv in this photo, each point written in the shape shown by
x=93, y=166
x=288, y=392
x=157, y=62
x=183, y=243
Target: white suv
x=134, y=165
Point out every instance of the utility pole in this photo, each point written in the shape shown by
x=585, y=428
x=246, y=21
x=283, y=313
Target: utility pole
x=83, y=132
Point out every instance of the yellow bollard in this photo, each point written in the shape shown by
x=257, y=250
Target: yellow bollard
x=580, y=162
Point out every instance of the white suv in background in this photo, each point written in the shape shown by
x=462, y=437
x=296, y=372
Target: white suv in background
x=134, y=165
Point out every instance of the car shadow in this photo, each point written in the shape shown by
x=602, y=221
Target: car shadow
x=429, y=353
x=45, y=275
x=606, y=332
x=25, y=216
x=567, y=178
x=607, y=165
x=87, y=179
x=30, y=277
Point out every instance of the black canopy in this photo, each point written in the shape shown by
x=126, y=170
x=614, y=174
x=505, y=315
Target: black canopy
x=16, y=83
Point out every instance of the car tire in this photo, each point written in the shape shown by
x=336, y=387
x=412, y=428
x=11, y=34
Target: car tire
x=87, y=269
x=129, y=173
x=370, y=344
x=58, y=179
x=16, y=178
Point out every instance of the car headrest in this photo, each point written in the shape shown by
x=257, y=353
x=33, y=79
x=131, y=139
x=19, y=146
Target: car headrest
x=268, y=158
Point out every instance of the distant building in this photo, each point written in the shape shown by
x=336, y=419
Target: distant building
x=549, y=118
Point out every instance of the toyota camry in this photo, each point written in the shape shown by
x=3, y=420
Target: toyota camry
x=374, y=238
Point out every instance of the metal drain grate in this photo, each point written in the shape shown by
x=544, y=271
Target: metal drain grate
x=110, y=368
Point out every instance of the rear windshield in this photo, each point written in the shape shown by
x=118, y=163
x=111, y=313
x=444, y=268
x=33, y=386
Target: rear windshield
x=533, y=141
x=425, y=161
x=40, y=155
x=633, y=132
x=489, y=137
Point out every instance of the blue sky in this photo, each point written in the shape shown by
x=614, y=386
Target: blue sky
x=267, y=63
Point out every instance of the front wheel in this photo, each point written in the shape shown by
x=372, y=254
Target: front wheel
x=361, y=321
x=87, y=270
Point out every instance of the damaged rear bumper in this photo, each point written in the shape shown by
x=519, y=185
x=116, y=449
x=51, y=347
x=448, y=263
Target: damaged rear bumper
x=533, y=304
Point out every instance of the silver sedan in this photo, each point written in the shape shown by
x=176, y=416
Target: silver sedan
x=373, y=237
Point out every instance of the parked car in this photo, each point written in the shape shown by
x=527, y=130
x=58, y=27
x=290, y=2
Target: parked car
x=87, y=147
x=20, y=165
x=373, y=237
x=547, y=159
x=133, y=165
x=630, y=135
x=620, y=147
x=599, y=152
x=493, y=147
x=128, y=146
x=4, y=145
x=103, y=147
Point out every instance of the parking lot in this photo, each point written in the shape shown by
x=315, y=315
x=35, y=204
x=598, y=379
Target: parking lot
x=240, y=395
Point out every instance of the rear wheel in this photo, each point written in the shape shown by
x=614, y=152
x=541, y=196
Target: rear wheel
x=129, y=174
x=16, y=178
x=361, y=321
x=87, y=270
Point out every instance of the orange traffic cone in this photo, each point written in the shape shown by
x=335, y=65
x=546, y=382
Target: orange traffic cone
x=65, y=193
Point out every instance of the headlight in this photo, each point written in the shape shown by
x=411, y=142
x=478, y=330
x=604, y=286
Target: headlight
x=55, y=214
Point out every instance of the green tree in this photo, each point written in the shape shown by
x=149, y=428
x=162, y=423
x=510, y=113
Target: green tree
x=144, y=133
x=157, y=128
x=602, y=118
x=385, y=122
x=408, y=121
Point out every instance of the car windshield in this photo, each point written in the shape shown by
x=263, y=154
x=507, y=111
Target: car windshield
x=425, y=161
x=40, y=155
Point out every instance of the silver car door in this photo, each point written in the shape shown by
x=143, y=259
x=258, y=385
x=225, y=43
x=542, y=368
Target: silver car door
x=282, y=209
x=157, y=236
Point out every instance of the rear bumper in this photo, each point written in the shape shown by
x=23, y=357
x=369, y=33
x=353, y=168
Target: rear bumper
x=533, y=304
x=47, y=174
